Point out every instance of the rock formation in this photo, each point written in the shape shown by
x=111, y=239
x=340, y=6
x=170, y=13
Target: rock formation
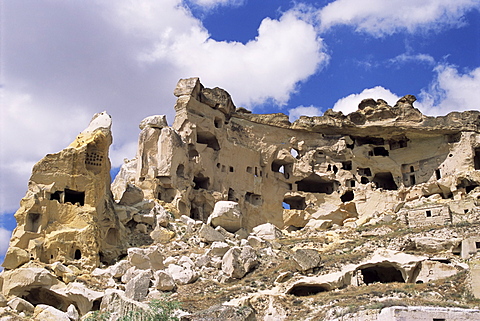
x=258, y=207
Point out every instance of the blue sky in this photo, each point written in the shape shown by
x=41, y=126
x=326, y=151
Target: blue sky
x=63, y=61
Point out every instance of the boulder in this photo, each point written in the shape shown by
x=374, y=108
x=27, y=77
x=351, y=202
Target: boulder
x=209, y=235
x=131, y=196
x=120, y=268
x=239, y=261
x=267, y=231
x=22, y=280
x=227, y=215
x=15, y=257
x=45, y=312
x=182, y=274
x=162, y=235
x=256, y=242
x=149, y=258
x=20, y=305
x=137, y=288
x=318, y=224
x=78, y=293
x=72, y=313
x=218, y=249
x=434, y=270
x=164, y=281
x=116, y=302
x=306, y=259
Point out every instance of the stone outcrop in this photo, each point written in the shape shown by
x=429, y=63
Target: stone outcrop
x=67, y=214
x=240, y=216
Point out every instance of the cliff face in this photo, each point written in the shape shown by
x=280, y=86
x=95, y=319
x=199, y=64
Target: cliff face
x=285, y=173
x=224, y=195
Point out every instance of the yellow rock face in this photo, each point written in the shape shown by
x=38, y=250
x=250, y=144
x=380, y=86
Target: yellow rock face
x=67, y=214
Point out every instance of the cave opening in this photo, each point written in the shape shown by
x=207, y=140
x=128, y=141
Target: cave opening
x=253, y=199
x=180, y=170
x=282, y=166
x=77, y=255
x=347, y=165
x=208, y=139
x=385, y=180
x=56, y=196
x=295, y=202
x=369, y=140
x=74, y=197
x=364, y=171
x=315, y=184
x=347, y=196
x=112, y=236
x=44, y=296
x=306, y=290
x=380, y=151
x=32, y=223
x=201, y=181
x=381, y=273
x=476, y=159
x=231, y=196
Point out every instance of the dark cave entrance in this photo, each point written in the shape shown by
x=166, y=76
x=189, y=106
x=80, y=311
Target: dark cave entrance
x=306, y=290
x=315, y=184
x=382, y=274
x=385, y=181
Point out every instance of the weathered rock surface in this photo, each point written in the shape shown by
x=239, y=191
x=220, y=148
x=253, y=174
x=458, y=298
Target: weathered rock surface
x=243, y=216
x=227, y=215
x=239, y=261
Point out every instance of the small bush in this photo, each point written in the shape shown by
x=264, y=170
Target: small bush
x=160, y=310
x=98, y=316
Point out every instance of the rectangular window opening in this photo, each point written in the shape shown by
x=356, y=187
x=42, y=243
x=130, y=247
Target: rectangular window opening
x=428, y=213
x=74, y=197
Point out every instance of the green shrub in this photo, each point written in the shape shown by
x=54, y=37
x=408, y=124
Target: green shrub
x=160, y=310
x=98, y=316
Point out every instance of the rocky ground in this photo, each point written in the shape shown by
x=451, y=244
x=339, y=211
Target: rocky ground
x=218, y=275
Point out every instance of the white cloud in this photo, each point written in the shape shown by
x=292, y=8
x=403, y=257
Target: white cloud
x=214, y=3
x=65, y=61
x=296, y=112
x=407, y=58
x=350, y=103
x=30, y=130
x=380, y=17
x=451, y=90
x=4, y=240
x=285, y=52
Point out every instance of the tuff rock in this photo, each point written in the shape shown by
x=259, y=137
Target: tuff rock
x=252, y=217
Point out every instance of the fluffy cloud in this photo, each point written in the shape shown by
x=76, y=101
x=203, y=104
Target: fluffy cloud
x=296, y=112
x=285, y=52
x=350, y=103
x=65, y=61
x=379, y=17
x=451, y=91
